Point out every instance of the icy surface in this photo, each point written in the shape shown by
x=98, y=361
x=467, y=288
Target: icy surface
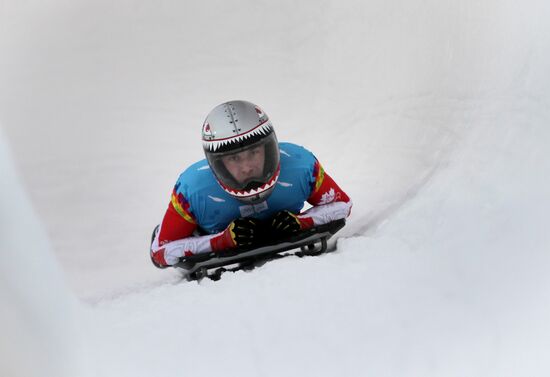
x=433, y=116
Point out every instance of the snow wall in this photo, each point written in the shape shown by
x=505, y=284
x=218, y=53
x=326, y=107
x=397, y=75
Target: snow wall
x=37, y=310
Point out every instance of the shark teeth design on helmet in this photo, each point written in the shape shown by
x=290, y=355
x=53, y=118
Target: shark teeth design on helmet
x=253, y=192
x=261, y=129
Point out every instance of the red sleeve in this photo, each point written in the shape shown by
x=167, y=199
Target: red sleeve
x=325, y=190
x=178, y=221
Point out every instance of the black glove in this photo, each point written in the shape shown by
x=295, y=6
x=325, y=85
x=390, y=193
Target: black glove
x=245, y=231
x=240, y=233
x=285, y=224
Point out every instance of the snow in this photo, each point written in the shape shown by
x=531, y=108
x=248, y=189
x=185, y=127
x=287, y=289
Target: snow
x=433, y=116
x=37, y=316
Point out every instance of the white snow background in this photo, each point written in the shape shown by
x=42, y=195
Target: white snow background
x=432, y=115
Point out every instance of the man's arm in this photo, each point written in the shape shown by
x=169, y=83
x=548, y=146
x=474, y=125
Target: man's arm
x=329, y=201
x=175, y=237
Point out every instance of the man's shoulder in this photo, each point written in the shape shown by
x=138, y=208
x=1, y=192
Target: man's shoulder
x=295, y=156
x=197, y=176
x=287, y=147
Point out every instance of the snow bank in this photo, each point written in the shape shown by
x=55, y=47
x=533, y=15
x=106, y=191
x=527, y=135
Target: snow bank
x=465, y=263
x=37, y=310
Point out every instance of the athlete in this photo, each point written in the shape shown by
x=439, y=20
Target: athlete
x=249, y=189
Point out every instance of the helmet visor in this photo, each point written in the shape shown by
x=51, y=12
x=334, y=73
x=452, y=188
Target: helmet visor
x=246, y=168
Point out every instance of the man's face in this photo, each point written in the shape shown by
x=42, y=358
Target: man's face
x=246, y=164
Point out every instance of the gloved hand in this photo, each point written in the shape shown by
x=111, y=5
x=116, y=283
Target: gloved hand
x=242, y=232
x=285, y=224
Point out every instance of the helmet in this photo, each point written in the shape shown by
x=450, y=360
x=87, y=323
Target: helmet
x=242, y=150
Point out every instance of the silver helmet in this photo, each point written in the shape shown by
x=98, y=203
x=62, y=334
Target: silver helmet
x=242, y=150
